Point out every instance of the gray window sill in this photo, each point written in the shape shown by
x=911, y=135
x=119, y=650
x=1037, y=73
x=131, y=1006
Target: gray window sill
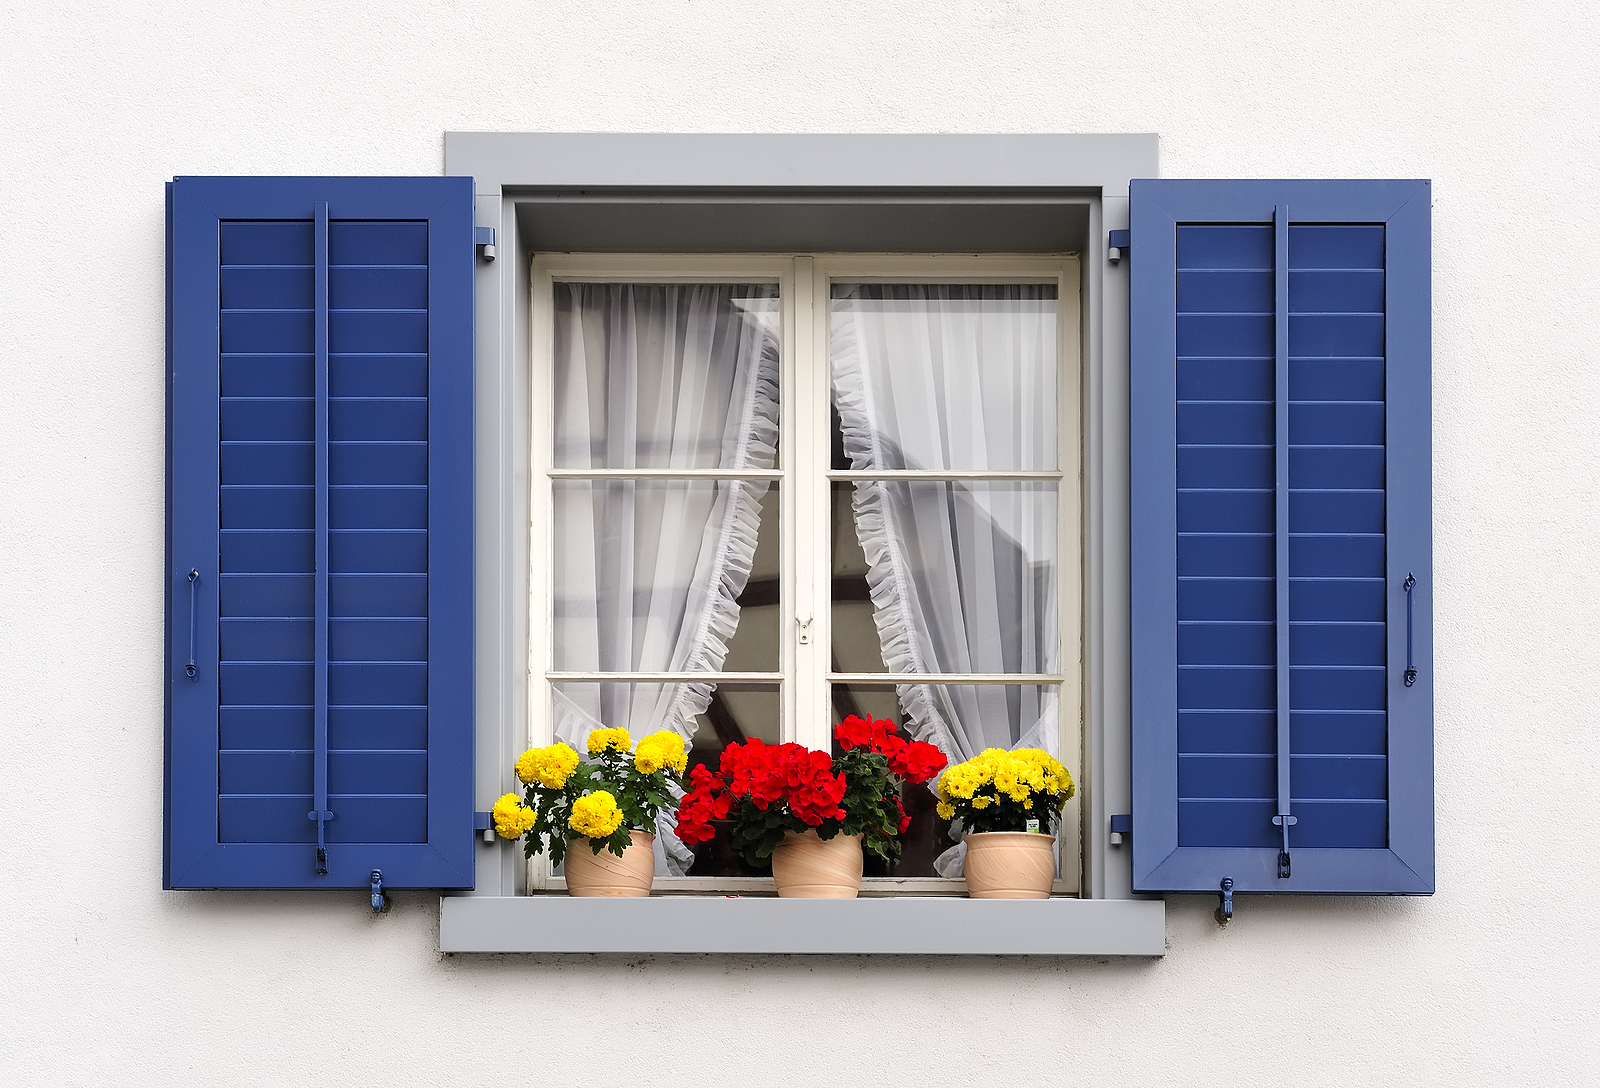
x=896, y=926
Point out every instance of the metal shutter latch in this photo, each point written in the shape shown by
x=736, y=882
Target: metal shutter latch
x=1225, y=908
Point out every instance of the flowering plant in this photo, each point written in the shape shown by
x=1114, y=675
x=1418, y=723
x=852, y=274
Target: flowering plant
x=998, y=790
x=770, y=790
x=618, y=789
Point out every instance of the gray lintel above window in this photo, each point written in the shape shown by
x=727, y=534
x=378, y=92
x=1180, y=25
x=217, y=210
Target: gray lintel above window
x=657, y=193
x=757, y=925
x=529, y=161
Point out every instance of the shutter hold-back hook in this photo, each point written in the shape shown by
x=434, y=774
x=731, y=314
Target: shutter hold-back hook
x=1225, y=907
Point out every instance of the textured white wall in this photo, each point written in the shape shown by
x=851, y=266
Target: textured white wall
x=108, y=978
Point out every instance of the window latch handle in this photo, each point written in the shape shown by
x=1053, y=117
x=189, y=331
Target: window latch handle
x=805, y=629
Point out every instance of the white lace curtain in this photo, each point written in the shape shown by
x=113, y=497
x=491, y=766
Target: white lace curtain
x=647, y=572
x=963, y=575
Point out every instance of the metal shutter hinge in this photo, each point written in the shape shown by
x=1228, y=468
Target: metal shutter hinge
x=1120, y=826
x=380, y=901
x=1118, y=247
x=1225, y=908
x=482, y=822
x=484, y=236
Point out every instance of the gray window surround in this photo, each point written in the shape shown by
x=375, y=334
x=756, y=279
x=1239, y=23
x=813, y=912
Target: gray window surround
x=781, y=194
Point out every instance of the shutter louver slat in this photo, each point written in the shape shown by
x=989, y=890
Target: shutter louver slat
x=382, y=309
x=1279, y=324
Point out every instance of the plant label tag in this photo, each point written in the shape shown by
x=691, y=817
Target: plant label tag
x=1033, y=827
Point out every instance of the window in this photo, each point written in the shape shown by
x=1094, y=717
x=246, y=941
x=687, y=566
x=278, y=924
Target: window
x=768, y=489
x=799, y=459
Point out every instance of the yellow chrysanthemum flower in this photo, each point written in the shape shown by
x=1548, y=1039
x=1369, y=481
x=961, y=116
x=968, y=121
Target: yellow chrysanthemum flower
x=1053, y=778
x=996, y=776
x=512, y=819
x=550, y=767
x=1006, y=782
x=961, y=781
x=658, y=750
x=595, y=815
x=946, y=810
x=615, y=739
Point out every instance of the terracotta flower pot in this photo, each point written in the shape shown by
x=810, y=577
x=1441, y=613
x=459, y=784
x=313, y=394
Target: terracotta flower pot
x=606, y=874
x=1010, y=865
x=805, y=867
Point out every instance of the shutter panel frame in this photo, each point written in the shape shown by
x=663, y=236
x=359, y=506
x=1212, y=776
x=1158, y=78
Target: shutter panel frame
x=195, y=853
x=1157, y=208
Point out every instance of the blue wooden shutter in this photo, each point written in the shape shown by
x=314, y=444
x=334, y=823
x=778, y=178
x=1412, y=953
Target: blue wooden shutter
x=1281, y=555
x=320, y=528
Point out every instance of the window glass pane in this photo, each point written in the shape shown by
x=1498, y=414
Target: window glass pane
x=962, y=720
x=736, y=713
x=730, y=714
x=945, y=376
x=665, y=576
x=945, y=576
x=674, y=375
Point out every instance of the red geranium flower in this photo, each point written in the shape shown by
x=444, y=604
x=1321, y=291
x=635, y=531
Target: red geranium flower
x=917, y=762
x=705, y=801
x=853, y=732
x=792, y=782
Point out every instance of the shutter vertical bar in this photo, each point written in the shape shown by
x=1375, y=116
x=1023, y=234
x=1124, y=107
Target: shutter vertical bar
x=1280, y=269
x=320, y=624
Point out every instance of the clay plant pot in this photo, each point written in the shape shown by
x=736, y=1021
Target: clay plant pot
x=1010, y=865
x=606, y=874
x=805, y=867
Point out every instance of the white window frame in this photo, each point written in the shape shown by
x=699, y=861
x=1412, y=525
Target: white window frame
x=804, y=480
x=616, y=192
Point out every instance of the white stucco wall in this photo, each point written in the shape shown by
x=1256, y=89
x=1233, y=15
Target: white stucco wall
x=105, y=978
